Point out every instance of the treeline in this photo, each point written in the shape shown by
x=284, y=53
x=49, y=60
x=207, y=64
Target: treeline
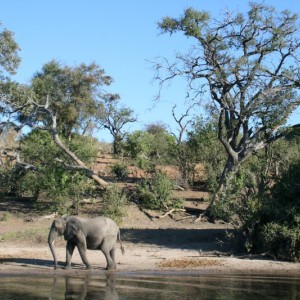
x=243, y=70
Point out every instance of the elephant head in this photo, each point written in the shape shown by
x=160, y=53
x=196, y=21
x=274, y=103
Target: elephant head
x=71, y=227
x=57, y=229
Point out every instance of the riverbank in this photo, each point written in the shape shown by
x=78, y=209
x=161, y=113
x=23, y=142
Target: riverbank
x=151, y=245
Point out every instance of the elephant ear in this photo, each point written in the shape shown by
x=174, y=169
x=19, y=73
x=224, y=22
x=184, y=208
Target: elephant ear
x=71, y=229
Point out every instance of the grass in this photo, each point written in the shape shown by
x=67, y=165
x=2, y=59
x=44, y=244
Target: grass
x=32, y=234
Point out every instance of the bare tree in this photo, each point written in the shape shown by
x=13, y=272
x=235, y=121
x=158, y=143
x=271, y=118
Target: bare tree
x=184, y=160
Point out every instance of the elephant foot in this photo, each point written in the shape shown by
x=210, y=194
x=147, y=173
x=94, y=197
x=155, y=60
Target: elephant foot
x=68, y=267
x=111, y=266
x=88, y=267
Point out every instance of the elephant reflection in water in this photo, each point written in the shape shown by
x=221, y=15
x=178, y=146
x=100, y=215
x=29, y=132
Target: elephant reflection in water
x=91, y=288
x=87, y=287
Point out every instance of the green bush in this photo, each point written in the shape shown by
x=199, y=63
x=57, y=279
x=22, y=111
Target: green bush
x=119, y=170
x=114, y=203
x=265, y=206
x=64, y=188
x=281, y=240
x=156, y=193
x=279, y=226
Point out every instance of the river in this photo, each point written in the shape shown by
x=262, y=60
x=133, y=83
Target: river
x=112, y=286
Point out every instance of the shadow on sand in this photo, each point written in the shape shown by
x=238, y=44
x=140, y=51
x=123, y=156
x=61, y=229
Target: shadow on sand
x=204, y=239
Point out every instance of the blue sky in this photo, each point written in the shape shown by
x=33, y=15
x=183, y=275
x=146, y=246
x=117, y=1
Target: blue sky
x=119, y=35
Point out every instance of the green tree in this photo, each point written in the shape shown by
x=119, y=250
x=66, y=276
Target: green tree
x=114, y=117
x=60, y=100
x=74, y=95
x=163, y=146
x=151, y=146
x=49, y=178
x=9, y=53
x=204, y=147
x=249, y=66
x=9, y=62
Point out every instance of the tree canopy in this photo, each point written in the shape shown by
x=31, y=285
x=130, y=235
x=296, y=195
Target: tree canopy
x=74, y=94
x=247, y=65
x=9, y=53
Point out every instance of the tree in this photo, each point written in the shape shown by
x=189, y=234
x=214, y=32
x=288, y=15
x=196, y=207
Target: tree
x=185, y=158
x=204, y=147
x=114, y=118
x=249, y=66
x=49, y=179
x=74, y=94
x=9, y=62
x=151, y=146
x=9, y=53
x=55, y=102
x=163, y=143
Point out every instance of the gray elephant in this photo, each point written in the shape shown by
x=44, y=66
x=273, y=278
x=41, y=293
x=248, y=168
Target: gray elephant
x=99, y=233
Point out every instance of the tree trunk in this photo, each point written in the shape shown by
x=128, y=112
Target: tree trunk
x=230, y=169
x=90, y=173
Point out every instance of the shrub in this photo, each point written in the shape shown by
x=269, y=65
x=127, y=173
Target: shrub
x=114, y=202
x=281, y=240
x=156, y=193
x=266, y=211
x=120, y=170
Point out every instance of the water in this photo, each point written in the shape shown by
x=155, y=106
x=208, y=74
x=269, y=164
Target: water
x=112, y=286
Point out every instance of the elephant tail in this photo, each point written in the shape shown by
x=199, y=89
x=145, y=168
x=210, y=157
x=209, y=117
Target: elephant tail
x=119, y=239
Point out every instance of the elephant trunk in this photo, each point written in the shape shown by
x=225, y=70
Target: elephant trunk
x=51, y=240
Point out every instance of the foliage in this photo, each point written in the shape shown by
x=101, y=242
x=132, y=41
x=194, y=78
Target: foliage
x=263, y=201
x=248, y=63
x=204, y=147
x=151, y=147
x=51, y=179
x=114, y=202
x=114, y=117
x=9, y=53
x=156, y=193
x=119, y=170
x=73, y=94
x=279, y=227
x=281, y=240
x=32, y=234
x=4, y=217
x=138, y=146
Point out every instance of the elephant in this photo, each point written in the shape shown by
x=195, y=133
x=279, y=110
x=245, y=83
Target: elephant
x=99, y=233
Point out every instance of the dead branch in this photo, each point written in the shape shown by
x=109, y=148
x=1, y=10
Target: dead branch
x=169, y=212
x=213, y=253
x=53, y=130
x=146, y=213
x=258, y=256
x=199, y=218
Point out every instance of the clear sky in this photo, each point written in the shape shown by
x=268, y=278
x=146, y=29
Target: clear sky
x=119, y=35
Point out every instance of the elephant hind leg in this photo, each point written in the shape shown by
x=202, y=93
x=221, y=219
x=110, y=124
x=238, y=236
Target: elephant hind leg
x=108, y=249
x=113, y=254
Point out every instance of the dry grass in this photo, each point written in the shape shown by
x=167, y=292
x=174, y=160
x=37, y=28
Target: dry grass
x=189, y=263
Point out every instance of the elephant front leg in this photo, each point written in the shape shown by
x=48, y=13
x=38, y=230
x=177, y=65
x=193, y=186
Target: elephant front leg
x=69, y=252
x=82, y=252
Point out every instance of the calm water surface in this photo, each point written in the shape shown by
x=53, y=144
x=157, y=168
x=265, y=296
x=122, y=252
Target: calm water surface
x=112, y=286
